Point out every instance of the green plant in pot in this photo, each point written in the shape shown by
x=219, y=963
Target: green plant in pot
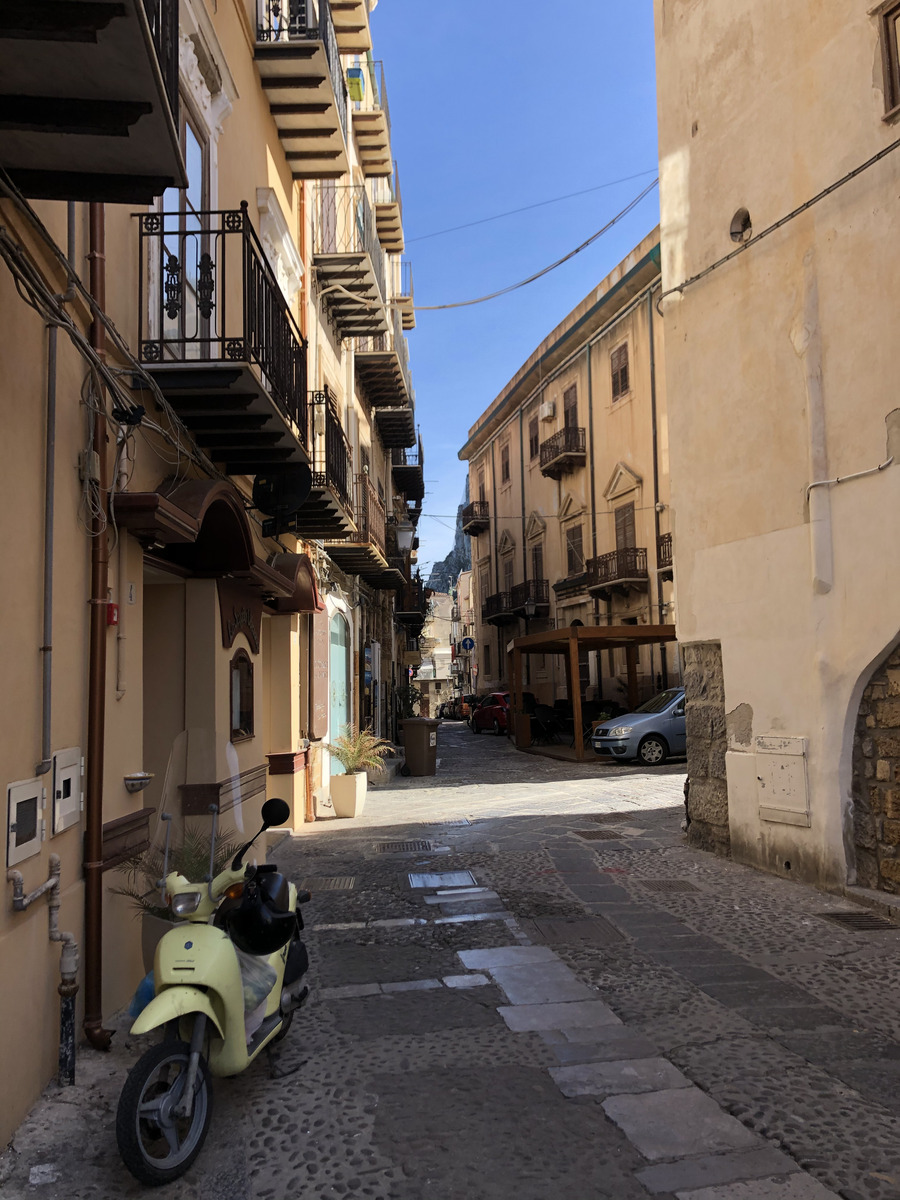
x=357, y=750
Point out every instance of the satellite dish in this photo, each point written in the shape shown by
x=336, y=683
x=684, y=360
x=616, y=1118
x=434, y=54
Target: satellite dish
x=281, y=493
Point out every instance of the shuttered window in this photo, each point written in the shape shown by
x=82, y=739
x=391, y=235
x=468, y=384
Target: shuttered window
x=537, y=561
x=618, y=362
x=508, y=573
x=625, y=527
x=504, y=464
x=481, y=495
x=889, y=18
x=534, y=440
x=570, y=407
x=574, y=551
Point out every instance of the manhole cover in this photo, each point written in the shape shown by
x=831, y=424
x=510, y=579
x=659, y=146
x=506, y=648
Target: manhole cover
x=858, y=920
x=402, y=847
x=669, y=886
x=597, y=835
x=442, y=879
x=329, y=883
x=579, y=931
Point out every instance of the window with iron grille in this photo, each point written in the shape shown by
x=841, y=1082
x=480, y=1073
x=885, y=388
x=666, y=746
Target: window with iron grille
x=537, y=560
x=534, y=438
x=618, y=362
x=504, y=463
x=570, y=407
x=574, y=551
x=625, y=527
x=889, y=21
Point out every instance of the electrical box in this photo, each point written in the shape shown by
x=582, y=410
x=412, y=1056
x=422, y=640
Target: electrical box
x=781, y=780
x=68, y=771
x=547, y=410
x=25, y=820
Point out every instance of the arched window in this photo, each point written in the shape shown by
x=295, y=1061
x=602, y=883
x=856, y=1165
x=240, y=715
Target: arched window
x=241, y=696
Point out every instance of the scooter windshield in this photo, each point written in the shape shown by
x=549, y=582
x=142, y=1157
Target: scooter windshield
x=199, y=825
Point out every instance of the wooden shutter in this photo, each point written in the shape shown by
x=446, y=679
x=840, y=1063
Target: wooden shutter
x=537, y=561
x=574, y=550
x=570, y=407
x=533, y=437
x=321, y=650
x=625, y=526
x=618, y=361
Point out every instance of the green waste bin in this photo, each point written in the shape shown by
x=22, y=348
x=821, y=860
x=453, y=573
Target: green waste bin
x=420, y=745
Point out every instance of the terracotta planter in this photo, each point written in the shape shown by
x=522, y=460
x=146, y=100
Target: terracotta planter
x=348, y=794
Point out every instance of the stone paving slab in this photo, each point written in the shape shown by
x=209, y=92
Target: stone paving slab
x=677, y=1123
x=588, y=1049
x=525, y=1018
x=541, y=983
x=505, y=956
x=792, y=1187
x=698, y=1173
x=618, y=1077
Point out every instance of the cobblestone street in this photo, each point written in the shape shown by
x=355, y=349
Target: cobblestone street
x=594, y=1010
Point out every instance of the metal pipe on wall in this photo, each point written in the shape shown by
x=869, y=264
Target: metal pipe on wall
x=99, y=1037
x=663, y=658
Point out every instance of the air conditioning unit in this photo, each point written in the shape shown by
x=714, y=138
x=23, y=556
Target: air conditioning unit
x=547, y=411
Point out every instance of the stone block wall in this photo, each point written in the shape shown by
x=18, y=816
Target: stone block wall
x=876, y=780
x=704, y=688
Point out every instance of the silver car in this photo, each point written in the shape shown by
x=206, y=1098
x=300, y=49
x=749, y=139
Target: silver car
x=650, y=734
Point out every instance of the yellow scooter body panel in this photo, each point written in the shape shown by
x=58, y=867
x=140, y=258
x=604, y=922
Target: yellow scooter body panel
x=170, y=1005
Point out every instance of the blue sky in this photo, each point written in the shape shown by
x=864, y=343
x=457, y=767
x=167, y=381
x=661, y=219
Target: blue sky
x=495, y=106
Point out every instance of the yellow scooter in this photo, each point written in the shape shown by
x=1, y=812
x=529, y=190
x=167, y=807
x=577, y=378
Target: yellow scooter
x=228, y=977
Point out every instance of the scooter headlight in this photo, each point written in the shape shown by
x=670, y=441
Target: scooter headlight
x=185, y=903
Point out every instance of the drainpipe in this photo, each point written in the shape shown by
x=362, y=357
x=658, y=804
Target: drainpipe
x=664, y=665
x=68, y=962
x=591, y=479
x=98, y=1037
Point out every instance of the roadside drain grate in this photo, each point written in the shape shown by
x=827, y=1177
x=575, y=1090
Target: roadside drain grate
x=669, y=887
x=329, y=883
x=447, y=821
x=402, y=847
x=580, y=931
x=597, y=835
x=858, y=920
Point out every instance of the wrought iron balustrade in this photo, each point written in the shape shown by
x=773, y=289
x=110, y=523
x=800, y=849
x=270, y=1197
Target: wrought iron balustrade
x=496, y=605
x=375, y=96
x=535, y=590
x=370, y=514
x=475, y=516
x=207, y=294
x=162, y=16
x=343, y=223
x=305, y=21
x=627, y=563
x=412, y=598
x=568, y=440
x=405, y=457
x=332, y=460
x=664, y=550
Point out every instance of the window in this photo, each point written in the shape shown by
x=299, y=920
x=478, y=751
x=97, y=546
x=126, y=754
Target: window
x=481, y=495
x=508, y=573
x=534, y=438
x=570, y=407
x=625, y=527
x=504, y=463
x=574, y=551
x=241, y=696
x=487, y=660
x=537, y=560
x=618, y=362
x=889, y=20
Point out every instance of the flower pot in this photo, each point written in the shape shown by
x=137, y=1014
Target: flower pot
x=348, y=794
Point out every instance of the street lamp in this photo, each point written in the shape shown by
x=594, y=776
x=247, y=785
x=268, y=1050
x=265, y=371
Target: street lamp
x=404, y=531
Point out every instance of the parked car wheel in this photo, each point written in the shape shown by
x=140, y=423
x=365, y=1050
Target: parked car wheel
x=497, y=729
x=653, y=751
x=476, y=728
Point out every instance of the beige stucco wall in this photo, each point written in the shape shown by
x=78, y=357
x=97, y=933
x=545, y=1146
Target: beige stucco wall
x=779, y=373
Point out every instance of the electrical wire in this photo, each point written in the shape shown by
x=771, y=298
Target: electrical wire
x=552, y=267
x=528, y=207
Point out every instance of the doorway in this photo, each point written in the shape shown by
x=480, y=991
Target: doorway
x=339, y=676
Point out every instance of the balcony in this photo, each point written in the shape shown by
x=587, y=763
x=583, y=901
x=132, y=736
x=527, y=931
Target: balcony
x=89, y=99
x=408, y=467
x=381, y=364
x=476, y=517
x=351, y=25
x=619, y=571
x=216, y=334
x=371, y=119
x=328, y=510
x=349, y=261
x=411, y=606
x=664, y=562
x=563, y=452
x=299, y=63
x=403, y=292
x=498, y=610
x=389, y=212
x=533, y=594
x=364, y=553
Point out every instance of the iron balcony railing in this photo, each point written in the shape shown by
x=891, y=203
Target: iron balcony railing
x=412, y=597
x=568, y=440
x=664, y=550
x=306, y=21
x=332, y=460
x=536, y=590
x=627, y=563
x=403, y=280
x=162, y=16
x=386, y=189
x=375, y=91
x=370, y=514
x=405, y=457
x=382, y=343
x=207, y=293
x=343, y=223
x=495, y=605
x=477, y=513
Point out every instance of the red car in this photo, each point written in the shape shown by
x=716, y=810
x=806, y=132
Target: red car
x=491, y=713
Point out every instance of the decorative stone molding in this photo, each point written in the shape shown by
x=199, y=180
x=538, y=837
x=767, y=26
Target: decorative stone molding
x=278, y=243
x=622, y=480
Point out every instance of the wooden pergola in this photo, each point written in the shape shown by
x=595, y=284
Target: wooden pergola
x=568, y=642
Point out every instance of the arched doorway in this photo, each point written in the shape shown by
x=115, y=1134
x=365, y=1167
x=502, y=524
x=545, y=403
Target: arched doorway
x=876, y=772
x=339, y=677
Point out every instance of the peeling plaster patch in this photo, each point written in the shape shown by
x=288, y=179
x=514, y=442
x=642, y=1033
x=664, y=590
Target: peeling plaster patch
x=739, y=726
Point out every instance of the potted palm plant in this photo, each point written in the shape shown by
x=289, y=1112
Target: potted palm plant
x=356, y=750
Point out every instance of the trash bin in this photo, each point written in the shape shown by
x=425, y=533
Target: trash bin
x=420, y=745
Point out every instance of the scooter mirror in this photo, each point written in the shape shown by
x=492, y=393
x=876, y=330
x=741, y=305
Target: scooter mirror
x=275, y=811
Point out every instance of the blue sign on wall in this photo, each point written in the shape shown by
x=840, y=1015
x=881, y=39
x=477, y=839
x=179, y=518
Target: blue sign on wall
x=468, y=643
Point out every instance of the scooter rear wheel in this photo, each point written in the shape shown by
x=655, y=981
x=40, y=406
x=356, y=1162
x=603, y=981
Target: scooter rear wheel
x=156, y=1145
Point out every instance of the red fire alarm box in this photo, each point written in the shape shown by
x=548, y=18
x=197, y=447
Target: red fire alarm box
x=112, y=614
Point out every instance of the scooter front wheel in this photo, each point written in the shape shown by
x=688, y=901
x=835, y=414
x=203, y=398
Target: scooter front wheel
x=156, y=1144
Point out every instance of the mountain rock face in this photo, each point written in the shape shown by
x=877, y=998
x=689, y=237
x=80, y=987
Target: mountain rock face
x=443, y=574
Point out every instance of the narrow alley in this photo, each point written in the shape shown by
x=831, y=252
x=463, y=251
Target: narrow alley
x=524, y=983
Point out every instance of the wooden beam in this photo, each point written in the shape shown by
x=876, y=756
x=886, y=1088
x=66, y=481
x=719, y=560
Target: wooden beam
x=574, y=676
